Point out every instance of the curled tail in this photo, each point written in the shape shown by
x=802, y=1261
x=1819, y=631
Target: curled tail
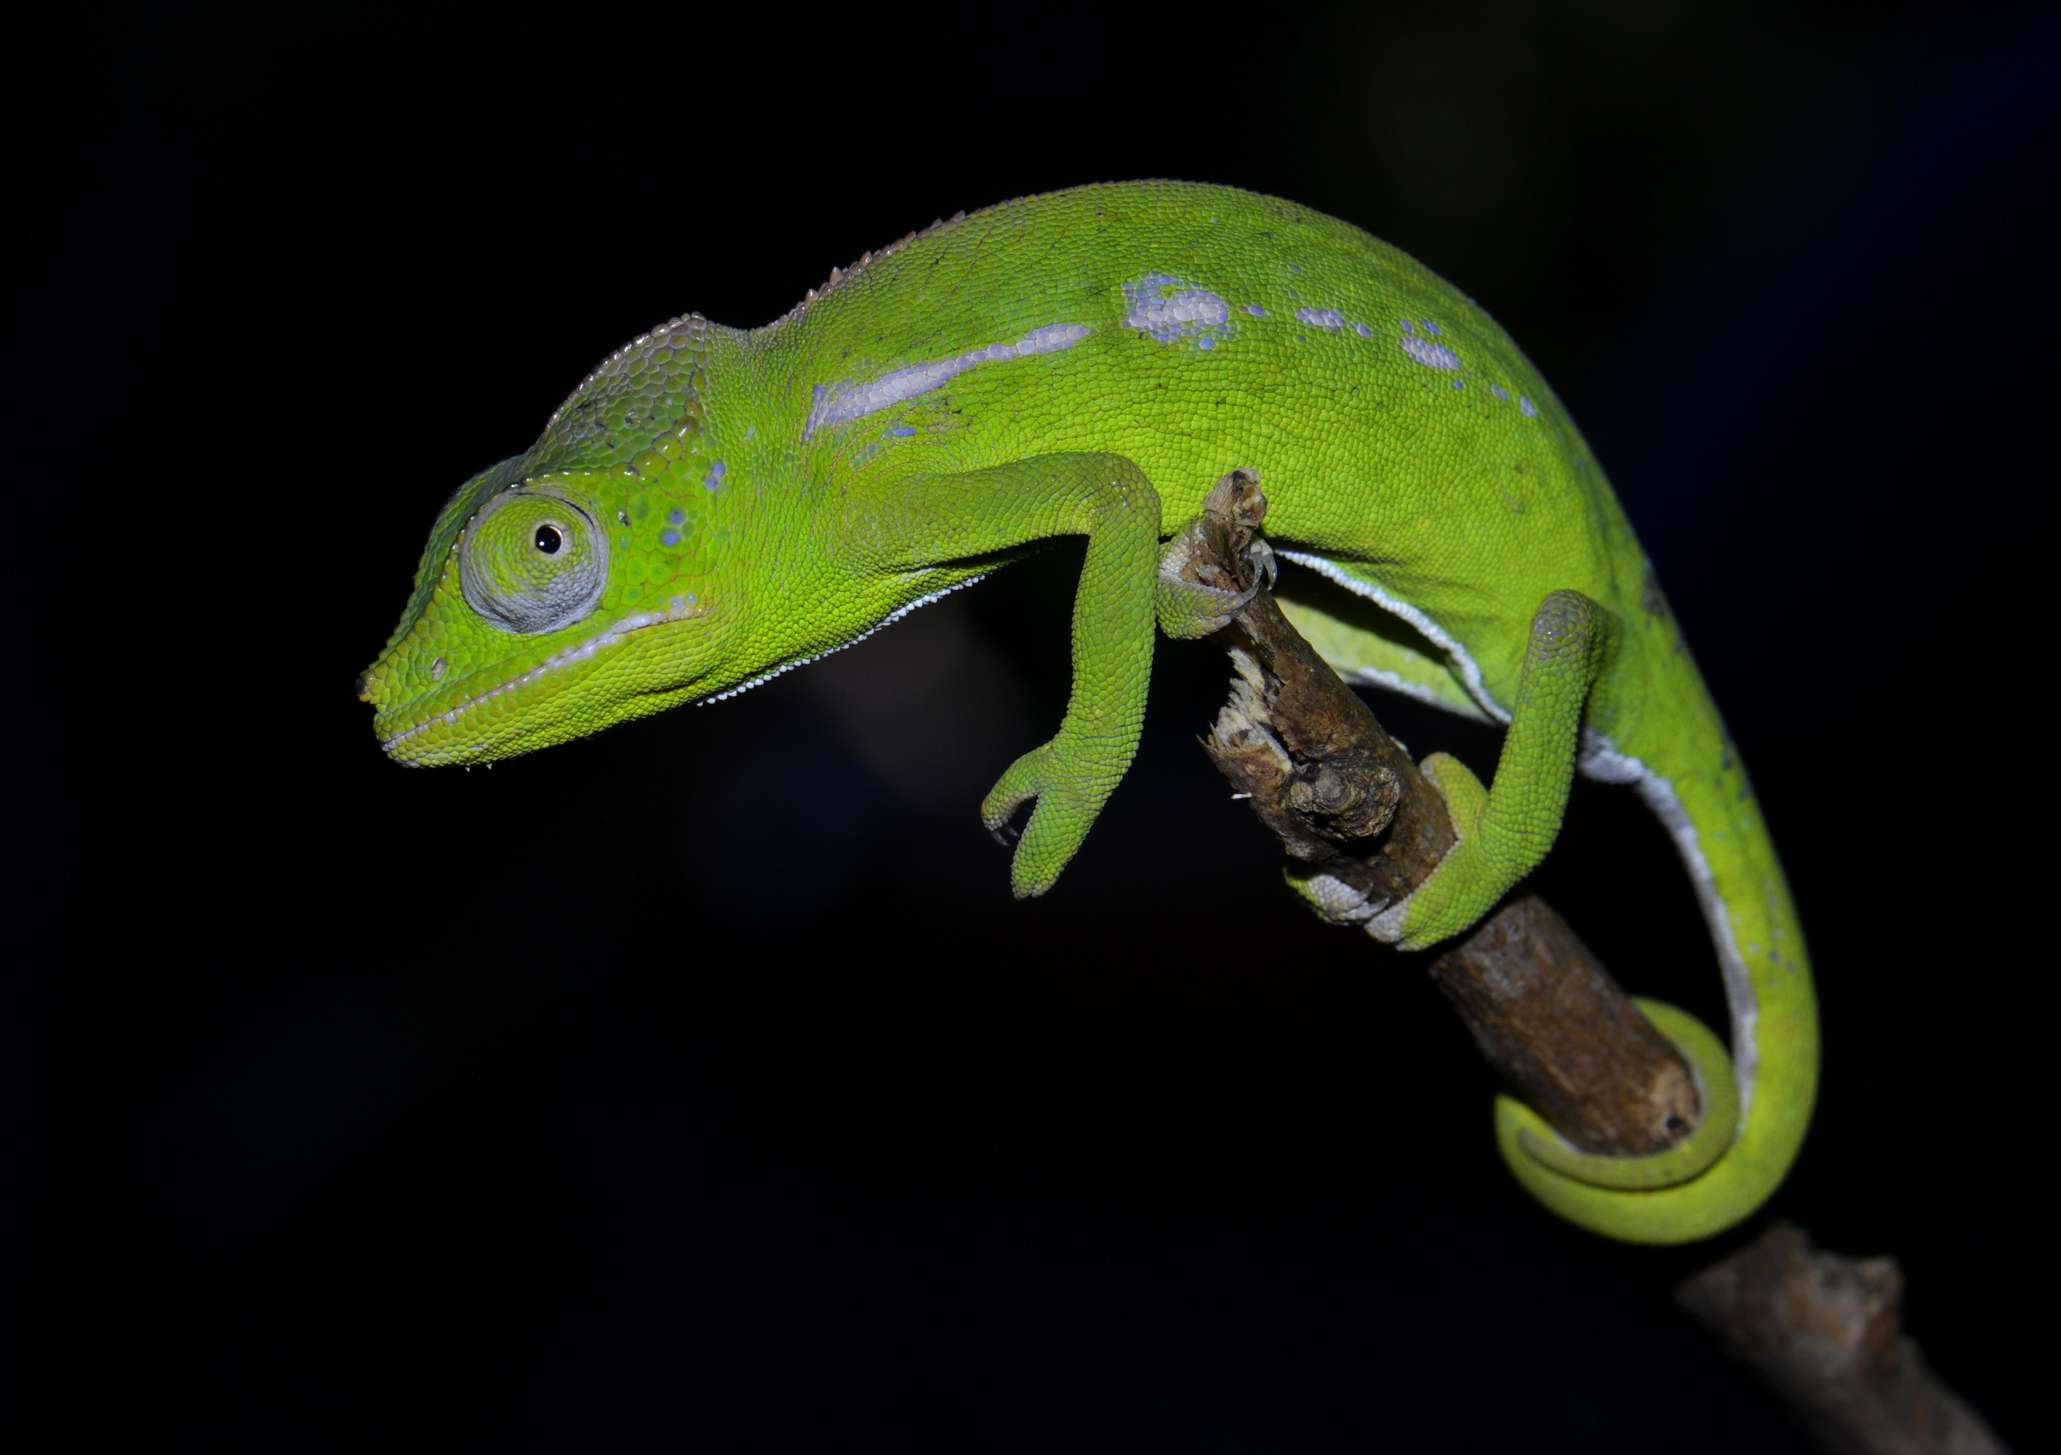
x=1706, y=1184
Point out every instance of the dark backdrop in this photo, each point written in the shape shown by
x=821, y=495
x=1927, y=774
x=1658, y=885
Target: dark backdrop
x=700, y=1086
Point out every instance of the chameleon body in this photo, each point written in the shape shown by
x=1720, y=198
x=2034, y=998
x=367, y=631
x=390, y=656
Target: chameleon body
x=714, y=506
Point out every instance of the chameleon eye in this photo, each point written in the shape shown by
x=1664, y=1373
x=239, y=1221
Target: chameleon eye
x=532, y=561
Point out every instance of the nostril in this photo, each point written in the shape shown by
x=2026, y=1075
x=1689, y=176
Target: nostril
x=363, y=685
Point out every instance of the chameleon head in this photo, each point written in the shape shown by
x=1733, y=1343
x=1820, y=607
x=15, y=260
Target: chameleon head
x=570, y=588
x=526, y=629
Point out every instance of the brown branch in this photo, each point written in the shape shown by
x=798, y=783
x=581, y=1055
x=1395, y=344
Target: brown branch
x=1826, y=1331
x=1345, y=800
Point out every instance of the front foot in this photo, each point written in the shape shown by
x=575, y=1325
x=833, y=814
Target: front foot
x=1070, y=785
x=1187, y=608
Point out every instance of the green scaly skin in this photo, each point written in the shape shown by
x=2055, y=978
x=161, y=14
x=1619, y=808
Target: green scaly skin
x=713, y=506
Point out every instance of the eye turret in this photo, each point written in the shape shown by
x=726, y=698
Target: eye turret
x=533, y=561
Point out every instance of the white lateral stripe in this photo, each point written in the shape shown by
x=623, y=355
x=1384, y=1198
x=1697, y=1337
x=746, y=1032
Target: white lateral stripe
x=1469, y=669
x=886, y=621
x=1601, y=759
x=842, y=403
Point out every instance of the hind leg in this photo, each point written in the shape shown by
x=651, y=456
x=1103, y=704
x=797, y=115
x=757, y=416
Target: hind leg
x=1505, y=829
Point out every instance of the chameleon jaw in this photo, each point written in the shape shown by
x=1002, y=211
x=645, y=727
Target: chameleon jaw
x=395, y=745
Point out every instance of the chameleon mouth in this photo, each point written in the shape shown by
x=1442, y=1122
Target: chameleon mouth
x=394, y=745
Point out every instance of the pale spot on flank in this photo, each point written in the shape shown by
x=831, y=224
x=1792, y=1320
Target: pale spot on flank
x=1429, y=354
x=1161, y=307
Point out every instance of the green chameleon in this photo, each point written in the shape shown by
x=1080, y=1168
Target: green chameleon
x=712, y=507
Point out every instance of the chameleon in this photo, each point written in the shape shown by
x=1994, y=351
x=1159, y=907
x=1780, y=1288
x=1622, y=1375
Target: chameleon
x=714, y=506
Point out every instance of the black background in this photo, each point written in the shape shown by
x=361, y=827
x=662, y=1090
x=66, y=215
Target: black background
x=700, y=1086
